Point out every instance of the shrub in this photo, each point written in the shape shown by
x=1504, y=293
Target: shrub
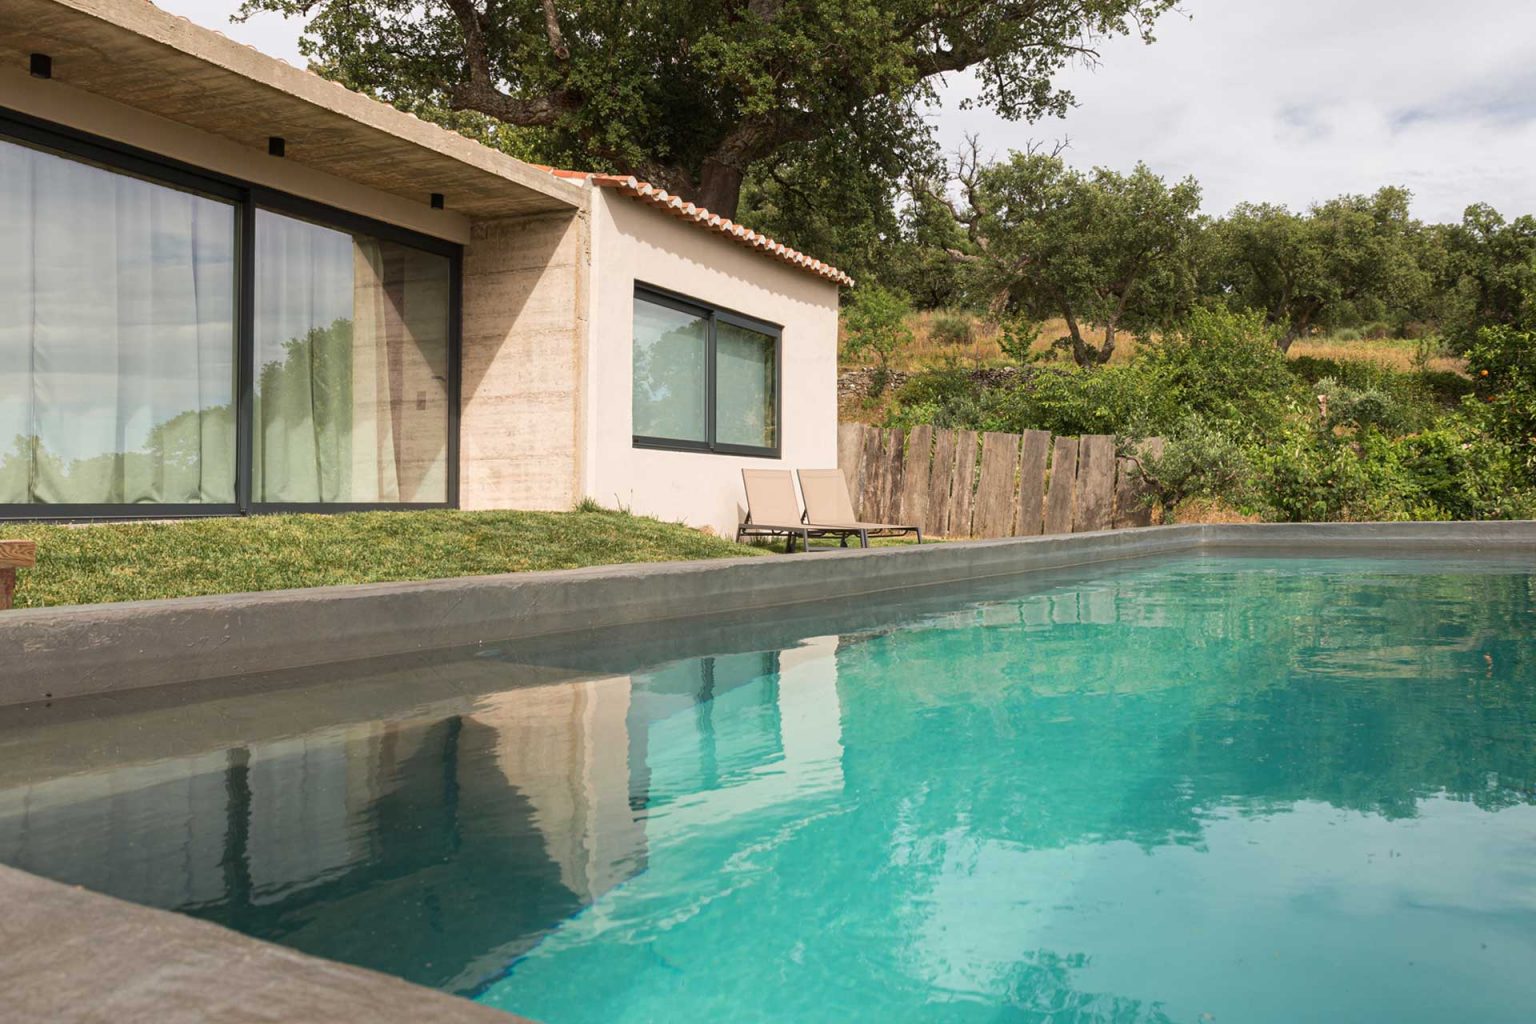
x=1223, y=366
x=875, y=325
x=944, y=398
x=1360, y=407
x=1125, y=400
x=950, y=327
x=1199, y=461
x=1502, y=361
x=1016, y=338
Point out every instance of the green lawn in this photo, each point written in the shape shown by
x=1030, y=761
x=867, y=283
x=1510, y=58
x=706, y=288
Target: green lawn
x=133, y=561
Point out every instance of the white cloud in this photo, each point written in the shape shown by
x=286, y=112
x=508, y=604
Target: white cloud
x=1290, y=101
x=1302, y=100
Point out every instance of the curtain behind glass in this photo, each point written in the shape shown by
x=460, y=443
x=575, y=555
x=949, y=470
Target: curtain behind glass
x=744, y=377
x=116, y=337
x=352, y=367
x=670, y=387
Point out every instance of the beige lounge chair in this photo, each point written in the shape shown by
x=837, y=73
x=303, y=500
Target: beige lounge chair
x=772, y=508
x=827, y=505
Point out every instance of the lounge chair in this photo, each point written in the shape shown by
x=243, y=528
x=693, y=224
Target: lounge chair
x=827, y=505
x=773, y=510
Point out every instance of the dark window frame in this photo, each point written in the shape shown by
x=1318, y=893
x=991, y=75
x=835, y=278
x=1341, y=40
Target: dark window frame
x=713, y=315
x=246, y=197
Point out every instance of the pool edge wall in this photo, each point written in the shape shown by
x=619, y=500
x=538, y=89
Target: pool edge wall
x=71, y=955
x=57, y=653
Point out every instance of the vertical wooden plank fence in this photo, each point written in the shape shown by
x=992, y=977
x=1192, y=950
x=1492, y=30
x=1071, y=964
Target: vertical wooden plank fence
x=1131, y=505
x=1095, y=504
x=1025, y=484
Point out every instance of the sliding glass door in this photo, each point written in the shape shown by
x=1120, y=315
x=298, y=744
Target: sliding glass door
x=176, y=344
x=352, y=370
x=117, y=337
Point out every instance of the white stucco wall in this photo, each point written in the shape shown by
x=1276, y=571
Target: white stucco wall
x=632, y=242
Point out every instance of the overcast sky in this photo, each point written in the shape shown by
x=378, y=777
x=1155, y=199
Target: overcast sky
x=1268, y=100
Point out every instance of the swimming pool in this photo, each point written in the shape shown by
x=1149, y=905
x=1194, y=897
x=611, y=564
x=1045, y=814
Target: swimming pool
x=1183, y=789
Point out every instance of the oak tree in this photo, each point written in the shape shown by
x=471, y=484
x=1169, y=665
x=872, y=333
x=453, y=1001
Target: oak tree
x=693, y=94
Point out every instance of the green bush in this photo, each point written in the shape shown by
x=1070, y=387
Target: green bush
x=1223, y=366
x=1360, y=407
x=1502, y=361
x=944, y=398
x=875, y=325
x=1201, y=461
x=950, y=327
x=1124, y=400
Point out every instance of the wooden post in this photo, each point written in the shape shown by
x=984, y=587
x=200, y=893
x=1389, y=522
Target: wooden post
x=1094, y=505
x=890, y=484
x=850, y=455
x=940, y=476
x=867, y=504
x=962, y=490
x=1131, y=506
x=914, y=481
x=14, y=554
x=1058, y=502
x=998, y=493
x=1037, y=446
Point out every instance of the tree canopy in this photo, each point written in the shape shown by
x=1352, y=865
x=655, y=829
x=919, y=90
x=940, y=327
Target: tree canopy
x=1102, y=248
x=1345, y=261
x=693, y=94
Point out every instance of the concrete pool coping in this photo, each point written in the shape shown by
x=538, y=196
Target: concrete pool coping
x=51, y=654
x=67, y=954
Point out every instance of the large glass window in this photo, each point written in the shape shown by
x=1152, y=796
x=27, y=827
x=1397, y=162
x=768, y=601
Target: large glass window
x=176, y=343
x=352, y=378
x=117, y=337
x=704, y=379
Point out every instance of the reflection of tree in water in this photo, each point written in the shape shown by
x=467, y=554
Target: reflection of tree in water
x=1176, y=706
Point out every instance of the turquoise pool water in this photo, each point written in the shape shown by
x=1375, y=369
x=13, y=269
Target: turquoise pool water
x=1210, y=789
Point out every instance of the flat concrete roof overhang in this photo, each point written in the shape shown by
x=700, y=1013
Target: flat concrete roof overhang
x=133, y=52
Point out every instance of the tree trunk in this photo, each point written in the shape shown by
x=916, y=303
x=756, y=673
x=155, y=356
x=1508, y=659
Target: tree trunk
x=1108, y=348
x=1082, y=352
x=719, y=188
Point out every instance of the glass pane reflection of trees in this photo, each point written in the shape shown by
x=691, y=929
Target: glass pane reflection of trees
x=1141, y=797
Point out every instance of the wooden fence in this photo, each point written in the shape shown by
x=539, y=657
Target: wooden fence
x=958, y=483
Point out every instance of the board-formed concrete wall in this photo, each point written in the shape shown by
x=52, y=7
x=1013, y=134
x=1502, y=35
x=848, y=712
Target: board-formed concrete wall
x=524, y=333
x=631, y=243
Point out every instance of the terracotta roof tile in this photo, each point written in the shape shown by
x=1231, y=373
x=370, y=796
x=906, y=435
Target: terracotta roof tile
x=678, y=207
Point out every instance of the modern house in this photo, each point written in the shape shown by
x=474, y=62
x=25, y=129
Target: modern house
x=230, y=286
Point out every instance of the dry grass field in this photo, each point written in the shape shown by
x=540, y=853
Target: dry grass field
x=950, y=339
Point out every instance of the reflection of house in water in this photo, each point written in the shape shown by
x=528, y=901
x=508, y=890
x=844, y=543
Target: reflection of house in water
x=437, y=848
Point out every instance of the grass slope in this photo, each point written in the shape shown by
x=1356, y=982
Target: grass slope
x=133, y=561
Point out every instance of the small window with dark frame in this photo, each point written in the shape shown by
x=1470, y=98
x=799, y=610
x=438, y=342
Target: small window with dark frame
x=705, y=379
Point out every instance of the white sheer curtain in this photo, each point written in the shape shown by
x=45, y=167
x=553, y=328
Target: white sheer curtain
x=116, y=337
x=352, y=367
